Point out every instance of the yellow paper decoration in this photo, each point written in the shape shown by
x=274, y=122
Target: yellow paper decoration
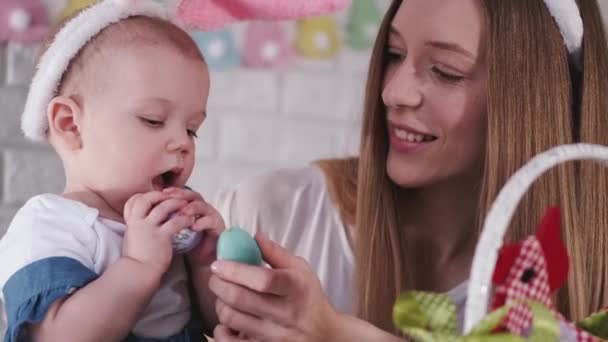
x=317, y=37
x=76, y=5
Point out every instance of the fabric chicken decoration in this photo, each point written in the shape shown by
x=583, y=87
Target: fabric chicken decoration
x=525, y=277
x=533, y=269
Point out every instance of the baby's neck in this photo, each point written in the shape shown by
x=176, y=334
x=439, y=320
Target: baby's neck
x=94, y=200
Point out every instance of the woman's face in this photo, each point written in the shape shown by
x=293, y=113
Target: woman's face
x=433, y=91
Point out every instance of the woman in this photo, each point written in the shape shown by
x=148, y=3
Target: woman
x=459, y=96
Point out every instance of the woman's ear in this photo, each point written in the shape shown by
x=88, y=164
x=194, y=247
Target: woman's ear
x=64, y=115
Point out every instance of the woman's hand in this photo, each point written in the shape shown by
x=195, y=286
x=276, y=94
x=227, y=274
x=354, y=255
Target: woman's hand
x=282, y=303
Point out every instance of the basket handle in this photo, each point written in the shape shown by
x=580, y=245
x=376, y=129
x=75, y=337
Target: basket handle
x=499, y=217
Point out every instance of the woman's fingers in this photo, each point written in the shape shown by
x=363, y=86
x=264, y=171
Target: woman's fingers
x=250, y=302
x=248, y=325
x=256, y=278
x=284, y=303
x=285, y=276
x=275, y=255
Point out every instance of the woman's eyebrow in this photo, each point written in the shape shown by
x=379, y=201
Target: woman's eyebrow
x=450, y=46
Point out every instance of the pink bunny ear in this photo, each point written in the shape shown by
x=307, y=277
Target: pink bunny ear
x=216, y=14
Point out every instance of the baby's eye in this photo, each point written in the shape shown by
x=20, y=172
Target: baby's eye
x=153, y=123
x=192, y=133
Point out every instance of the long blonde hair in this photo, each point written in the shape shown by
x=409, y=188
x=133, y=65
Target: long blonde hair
x=341, y=176
x=531, y=106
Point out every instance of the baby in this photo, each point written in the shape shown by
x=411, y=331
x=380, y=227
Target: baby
x=120, y=93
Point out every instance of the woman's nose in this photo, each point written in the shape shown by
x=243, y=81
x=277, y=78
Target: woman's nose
x=402, y=88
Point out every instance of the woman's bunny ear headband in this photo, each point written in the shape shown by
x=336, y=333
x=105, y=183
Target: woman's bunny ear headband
x=202, y=14
x=570, y=23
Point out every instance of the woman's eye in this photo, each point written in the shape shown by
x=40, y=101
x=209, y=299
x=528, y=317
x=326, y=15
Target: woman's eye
x=447, y=76
x=395, y=57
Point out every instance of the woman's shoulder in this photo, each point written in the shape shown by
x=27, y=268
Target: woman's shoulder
x=283, y=180
x=271, y=193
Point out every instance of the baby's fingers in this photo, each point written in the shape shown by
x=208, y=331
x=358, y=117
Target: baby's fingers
x=162, y=211
x=175, y=224
x=213, y=225
x=139, y=205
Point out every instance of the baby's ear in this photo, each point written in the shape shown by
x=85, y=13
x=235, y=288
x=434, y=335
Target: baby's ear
x=64, y=116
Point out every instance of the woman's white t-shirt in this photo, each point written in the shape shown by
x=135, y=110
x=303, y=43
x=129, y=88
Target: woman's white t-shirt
x=294, y=208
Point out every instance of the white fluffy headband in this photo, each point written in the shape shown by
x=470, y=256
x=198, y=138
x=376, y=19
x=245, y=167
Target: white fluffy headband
x=568, y=18
x=67, y=43
x=78, y=31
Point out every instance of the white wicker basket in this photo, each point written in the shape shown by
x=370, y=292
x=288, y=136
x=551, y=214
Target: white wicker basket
x=499, y=217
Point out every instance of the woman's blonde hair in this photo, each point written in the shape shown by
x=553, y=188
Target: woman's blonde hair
x=341, y=179
x=535, y=100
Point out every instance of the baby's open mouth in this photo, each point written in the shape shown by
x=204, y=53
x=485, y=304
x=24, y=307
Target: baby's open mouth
x=166, y=179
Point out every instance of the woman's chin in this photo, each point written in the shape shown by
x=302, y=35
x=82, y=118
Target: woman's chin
x=408, y=177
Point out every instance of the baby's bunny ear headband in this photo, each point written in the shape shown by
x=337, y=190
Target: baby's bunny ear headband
x=201, y=14
x=204, y=15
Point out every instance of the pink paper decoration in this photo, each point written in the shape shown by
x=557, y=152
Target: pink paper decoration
x=23, y=21
x=217, y=14
x=266, y=46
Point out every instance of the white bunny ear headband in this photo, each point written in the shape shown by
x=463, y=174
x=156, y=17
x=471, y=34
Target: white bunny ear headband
x=570, y=23
x=78, y=31
x=72, y=37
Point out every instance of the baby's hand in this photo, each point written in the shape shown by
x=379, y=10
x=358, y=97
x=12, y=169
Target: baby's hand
x=208, y=221
x=150, y=229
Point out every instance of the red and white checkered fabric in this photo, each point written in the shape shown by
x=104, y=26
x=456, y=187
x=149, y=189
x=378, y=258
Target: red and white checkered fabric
x=531, y=260
x=529, y=279
x=583, y=336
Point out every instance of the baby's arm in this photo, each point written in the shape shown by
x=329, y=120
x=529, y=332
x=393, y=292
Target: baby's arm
x=105, y=309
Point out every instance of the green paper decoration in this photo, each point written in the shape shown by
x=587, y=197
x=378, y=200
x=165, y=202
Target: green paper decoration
x=363, y=23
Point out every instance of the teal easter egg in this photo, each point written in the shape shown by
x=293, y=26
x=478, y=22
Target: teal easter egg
x=235, y=244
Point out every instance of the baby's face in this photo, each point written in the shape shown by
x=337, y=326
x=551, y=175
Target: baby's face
x=140, y=118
